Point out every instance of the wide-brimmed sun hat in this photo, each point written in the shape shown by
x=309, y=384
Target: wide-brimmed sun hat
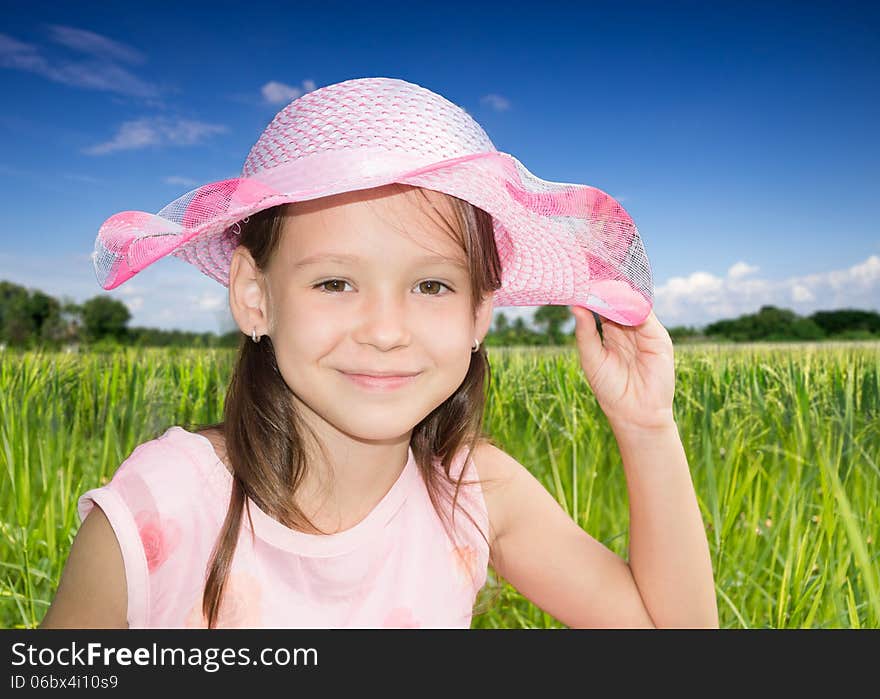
x=558, y=243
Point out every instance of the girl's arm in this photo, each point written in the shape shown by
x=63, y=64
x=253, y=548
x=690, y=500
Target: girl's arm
x=668, y=550
x=565, y=571
x=92, y=593
x=540, y=550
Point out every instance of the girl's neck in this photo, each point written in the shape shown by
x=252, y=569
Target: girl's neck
x=335, y=504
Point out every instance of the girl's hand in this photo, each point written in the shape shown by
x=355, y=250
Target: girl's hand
x=633, y=374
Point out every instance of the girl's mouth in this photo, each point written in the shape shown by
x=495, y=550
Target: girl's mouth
x=380, y=383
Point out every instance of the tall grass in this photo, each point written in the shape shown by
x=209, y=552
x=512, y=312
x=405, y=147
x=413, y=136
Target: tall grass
x=782, y=442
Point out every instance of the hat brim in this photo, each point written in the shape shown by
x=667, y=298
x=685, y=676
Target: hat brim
x=558, y=243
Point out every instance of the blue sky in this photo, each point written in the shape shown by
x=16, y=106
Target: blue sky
x=742, y=139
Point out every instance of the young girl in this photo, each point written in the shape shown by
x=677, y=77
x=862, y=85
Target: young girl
x=372, y=231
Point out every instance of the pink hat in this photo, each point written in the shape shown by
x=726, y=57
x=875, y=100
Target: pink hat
x=558, y=243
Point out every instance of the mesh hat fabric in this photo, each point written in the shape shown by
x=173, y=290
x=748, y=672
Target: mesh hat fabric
x=558, y=243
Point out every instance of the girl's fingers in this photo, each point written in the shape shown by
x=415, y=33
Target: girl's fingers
x=589, y=341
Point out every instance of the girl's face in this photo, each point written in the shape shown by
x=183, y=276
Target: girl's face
x=385, y=309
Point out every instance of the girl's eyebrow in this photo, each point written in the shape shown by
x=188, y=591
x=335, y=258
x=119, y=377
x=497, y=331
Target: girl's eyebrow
x=343, y=258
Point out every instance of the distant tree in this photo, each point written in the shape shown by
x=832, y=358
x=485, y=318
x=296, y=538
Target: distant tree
x=523, y=335
x=16, y=324
x=54, y=330
x=71, y=317
x=41, y=307
x=230, y=339
x=104, y=317
x=681, y=333
x=501, y=333
x=551, y=319
x=847, y=319
x=769, y=323
x=27, y=317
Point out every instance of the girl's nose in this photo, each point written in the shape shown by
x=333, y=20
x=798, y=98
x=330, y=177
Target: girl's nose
x=383, y=321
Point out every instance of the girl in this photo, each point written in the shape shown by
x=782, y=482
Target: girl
x=372, y=231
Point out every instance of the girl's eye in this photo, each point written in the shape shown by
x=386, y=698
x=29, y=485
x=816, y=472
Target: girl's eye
x=329, y=281
x=432, y=282
x=435, y=284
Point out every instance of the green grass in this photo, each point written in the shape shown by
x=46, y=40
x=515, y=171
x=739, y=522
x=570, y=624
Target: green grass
x=782, y=442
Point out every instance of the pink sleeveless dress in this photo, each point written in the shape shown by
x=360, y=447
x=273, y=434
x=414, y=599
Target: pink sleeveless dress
x=396, y=568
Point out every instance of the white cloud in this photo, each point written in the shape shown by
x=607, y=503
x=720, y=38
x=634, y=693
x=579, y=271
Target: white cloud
x=867, y=273
x=97, y=72
x=131, y=135
x=95, y=44
x=144, y=132
x=741, y=269
x=799, y=292
x=697, y=283
x=275, y=92
x=496, y=102
x=134, y=303
x=17, y=54
x=182, y=181
x=701, y=297
x=210, y=301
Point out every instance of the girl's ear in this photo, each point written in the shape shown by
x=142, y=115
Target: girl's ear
x=247, y=300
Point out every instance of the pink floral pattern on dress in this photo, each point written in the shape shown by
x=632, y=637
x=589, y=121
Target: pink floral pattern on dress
x=239, y=606
x=401, y=618
x=160, y=536
x=464, y=560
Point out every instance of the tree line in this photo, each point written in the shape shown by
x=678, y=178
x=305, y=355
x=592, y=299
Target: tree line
x=30, y=319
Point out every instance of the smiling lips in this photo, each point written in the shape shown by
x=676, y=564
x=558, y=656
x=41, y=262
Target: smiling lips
x=382, y=374
x=381, y=382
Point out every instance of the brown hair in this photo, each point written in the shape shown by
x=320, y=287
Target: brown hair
x=263, y=438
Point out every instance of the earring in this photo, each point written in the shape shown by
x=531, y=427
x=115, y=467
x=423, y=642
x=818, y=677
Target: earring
x=254, y=335
x=476, y=346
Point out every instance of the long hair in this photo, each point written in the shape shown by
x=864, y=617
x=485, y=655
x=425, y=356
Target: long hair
x=262, y=432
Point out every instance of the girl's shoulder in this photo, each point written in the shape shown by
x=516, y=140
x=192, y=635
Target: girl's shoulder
x=169, y=468
x=488, y=461
x=490, y=465
x=217, y=441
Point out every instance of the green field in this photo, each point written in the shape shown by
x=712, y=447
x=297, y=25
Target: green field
x=782, y=441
